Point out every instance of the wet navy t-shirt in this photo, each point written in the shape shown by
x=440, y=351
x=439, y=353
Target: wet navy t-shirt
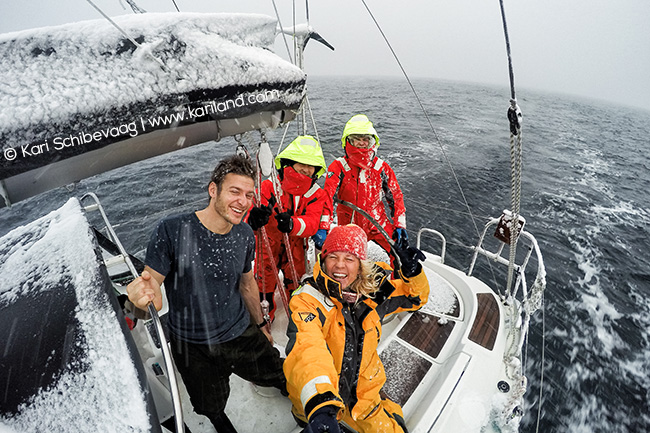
x=202, y=273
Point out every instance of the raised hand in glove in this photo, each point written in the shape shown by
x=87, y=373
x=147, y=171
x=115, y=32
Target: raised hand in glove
x=324, y=421
x=285, y=223
x=410, y=258
x=401, y=238
x=259, y=216
x=319, y=238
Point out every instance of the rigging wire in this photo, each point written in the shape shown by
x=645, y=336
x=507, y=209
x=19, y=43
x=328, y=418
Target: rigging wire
x=541, y=376
x=136, y=9
x=284, y=36
x=514, y=117
x=295, y=40
x=176, y=6
x=516, y=152
x=435, y=134
x=129, y=37
x=510, y=68
x=313, y=121
x=426, y=115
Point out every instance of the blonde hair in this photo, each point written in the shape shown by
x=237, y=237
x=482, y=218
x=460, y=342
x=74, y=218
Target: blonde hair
x=366, y=282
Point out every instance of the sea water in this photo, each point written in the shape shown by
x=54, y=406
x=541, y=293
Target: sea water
x=585, y=196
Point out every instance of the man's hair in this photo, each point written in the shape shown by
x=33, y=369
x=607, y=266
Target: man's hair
x=234, y=164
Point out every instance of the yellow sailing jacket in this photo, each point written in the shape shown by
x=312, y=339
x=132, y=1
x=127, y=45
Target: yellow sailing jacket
x=332, y=351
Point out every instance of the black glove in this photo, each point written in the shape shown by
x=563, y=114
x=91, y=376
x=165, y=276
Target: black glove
x=285, y=223
x=259, y=216
x=410, y=258
x=324, y=421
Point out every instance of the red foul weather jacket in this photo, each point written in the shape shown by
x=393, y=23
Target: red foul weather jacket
x=367, y=189
x=305, y=211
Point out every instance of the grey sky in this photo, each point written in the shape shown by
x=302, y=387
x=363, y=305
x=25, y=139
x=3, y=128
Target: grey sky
x=594, y=48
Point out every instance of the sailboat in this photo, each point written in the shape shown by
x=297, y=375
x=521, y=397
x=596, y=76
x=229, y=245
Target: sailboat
x=158, y=83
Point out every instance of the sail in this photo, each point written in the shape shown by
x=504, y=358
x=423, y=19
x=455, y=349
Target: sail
x=83, y=98
x=69, y=361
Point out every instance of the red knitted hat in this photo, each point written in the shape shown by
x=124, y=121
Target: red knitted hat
x=350, y=239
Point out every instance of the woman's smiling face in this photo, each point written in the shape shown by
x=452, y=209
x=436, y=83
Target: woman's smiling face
x=342, y=267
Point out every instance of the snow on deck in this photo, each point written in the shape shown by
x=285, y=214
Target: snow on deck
x=103, y=394
x=442, y=298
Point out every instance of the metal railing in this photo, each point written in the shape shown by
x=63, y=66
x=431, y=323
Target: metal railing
x=95, y=205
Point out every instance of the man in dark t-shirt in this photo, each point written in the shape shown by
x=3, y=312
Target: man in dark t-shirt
x=215, y=320
x=203, y=272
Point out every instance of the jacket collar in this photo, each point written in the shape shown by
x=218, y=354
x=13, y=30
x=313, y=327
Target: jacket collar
x=324, y=283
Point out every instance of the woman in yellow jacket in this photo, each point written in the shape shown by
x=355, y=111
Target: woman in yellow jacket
x=332, y=367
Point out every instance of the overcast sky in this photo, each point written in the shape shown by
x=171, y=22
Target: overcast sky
x=594, y=48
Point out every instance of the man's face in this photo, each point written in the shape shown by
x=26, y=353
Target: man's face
x=235, y=198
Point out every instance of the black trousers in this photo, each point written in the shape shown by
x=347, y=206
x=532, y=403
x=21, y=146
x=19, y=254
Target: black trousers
x=206, y=369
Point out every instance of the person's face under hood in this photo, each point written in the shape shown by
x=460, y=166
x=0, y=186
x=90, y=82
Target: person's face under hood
x=295, y=181
x=359, y=156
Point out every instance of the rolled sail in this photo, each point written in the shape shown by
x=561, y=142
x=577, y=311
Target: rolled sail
x=83, y=98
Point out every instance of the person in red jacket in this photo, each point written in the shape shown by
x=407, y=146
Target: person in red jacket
x=366, y=181
x=298, y=213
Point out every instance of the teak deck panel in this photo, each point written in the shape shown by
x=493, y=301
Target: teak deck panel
x=486, y=325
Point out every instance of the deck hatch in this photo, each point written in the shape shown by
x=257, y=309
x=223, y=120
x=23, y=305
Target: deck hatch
x=425, y=333
x=486, y=325
x=405, y=370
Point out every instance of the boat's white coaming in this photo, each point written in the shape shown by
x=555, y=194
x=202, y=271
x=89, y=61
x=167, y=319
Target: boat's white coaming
x=459, y=392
